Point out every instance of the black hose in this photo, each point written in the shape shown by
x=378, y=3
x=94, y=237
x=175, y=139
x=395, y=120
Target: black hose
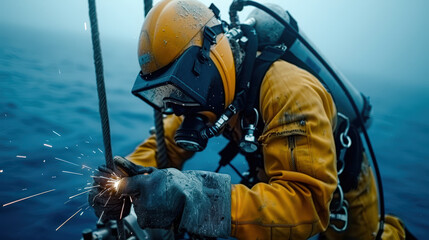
x=359, y=117
x=242, y=89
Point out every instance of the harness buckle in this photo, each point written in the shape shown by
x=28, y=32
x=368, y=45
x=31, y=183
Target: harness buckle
x=342, y=217
x=210, y=35
x=337, y=203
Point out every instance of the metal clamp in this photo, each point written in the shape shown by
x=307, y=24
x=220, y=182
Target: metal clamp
x=344, y=138
x=340, y=202
x=341, y=161
x=341, y=216
x=346, y=142
x=249, y=143
x=256, y=119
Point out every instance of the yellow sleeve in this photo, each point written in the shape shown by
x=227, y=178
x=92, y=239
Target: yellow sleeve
x=145, y=153
x=299, y=160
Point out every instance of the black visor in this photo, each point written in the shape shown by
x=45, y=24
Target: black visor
x=186, y=85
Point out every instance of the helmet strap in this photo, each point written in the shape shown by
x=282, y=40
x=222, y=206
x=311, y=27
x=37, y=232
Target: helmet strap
x=210, y=34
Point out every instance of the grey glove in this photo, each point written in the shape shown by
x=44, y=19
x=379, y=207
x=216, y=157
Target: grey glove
x=195, y=201
x=105, y=200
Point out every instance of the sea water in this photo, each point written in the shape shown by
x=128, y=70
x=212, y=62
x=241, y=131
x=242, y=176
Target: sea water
x=49, y=111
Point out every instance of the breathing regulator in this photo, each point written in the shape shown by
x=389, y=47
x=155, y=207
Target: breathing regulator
x=194, y=132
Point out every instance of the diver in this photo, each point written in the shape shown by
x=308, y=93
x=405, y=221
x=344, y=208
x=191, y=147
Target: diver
x=213, y=78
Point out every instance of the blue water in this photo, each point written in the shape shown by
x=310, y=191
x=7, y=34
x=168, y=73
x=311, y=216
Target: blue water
x=47, y=84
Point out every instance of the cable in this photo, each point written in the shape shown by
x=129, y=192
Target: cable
x=102, y=101
x=161, y=155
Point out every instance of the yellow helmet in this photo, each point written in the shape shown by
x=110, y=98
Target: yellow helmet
x=170, y=53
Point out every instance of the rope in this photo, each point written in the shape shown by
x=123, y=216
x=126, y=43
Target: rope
x=102, y=101
x=160, y=141
x=162, y=157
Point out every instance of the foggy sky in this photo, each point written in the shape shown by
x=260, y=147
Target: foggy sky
x=383, y=38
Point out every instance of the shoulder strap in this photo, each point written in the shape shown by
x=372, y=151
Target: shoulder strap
x=263, y=62
x=260, y=66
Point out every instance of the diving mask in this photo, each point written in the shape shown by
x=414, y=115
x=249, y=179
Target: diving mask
x=183, y=88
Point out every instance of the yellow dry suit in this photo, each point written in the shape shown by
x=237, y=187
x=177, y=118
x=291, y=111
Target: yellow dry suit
x=299, y=174
x=299, y=166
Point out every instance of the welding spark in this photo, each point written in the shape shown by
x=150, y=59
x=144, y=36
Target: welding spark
x=21, y=156
x=101, y=193
x=84, y=24
x=62, y=160
x=91, y=187
x=122, y=210
x=84, y=205
x=78, y=194
x=84, y=166
x=68, y=219
x=22, y=199
x=75, y=173
x=116, y=184
x=110, y=179
x=100, y=150
x=102, y=213
x=47, y=145
x=107, y=201
x=59, y=135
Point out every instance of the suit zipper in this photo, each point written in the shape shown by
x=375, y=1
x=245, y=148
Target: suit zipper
x=291, y=140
